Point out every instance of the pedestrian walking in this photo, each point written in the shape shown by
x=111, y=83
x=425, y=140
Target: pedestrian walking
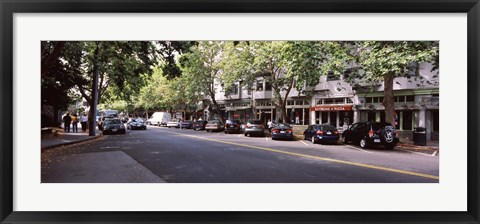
x=66, y=122
x=83, y=122
x=74, y=123
x=269, y=125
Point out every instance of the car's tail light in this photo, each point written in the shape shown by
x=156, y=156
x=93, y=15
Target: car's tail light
x=289, y=131
x=275, y=131
x=370, y=133
x=336, y=132
x=319, y=132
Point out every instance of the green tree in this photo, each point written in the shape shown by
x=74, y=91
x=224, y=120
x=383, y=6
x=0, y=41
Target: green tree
x=203, y=67
x=383, y=61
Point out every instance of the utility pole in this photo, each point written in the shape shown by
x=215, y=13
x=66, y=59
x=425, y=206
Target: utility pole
x=93, y=107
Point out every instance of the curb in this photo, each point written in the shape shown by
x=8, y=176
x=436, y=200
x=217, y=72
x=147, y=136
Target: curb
x=45, y=148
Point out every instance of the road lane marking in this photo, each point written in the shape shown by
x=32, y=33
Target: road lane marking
x=411, y=173
x=353, y=147
x=418, y=153
x=435, y=153
x=266, y=139
x=303, y=142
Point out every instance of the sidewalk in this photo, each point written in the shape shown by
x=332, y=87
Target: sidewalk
x=60, y=138
x=432, y=147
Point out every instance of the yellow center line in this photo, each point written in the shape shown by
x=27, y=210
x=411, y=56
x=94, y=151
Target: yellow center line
x=317, y=157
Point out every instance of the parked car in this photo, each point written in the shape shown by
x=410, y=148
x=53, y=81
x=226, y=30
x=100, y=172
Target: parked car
x=214, y=125
x=199, y=125
x=371, y=133
x=233, y=126
x=174, y=123
x=323, y=133
x=282, y=131
x=113, y=126
x=254, y=127
x=186, y=124
x=159, y=119
x=136, y=123
x=101, y=121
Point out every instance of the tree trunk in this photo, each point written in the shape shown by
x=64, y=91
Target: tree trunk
x=94, y=98
x=388, y=100
x=217, y=108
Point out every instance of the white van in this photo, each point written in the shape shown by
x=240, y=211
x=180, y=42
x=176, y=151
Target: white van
x=159, y=118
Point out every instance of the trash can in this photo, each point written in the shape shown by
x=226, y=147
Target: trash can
x=420, y=136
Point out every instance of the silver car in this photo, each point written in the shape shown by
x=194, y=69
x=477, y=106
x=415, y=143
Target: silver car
x=254, y=127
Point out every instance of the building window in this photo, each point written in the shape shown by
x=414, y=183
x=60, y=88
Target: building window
x=410, y=98
x=331, y=77
x=328, y=101
x=348, y=100
x=290, y=102
x=268, y=86
x=259, y=85
x=233, y=90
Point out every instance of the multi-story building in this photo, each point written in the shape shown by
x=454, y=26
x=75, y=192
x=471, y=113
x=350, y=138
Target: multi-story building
x=337, y=102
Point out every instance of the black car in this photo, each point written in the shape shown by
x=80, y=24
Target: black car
x=113, y=126
x=199, y=125
x=186, y=124
x=371, y=133
x=136, y=123
x=233, y=126
x=323, y=133
x=282, y=131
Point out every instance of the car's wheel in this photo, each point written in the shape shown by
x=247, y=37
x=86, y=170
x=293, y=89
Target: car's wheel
x=346, y=140
x=313, y=140
x=274, y=138
x=208, y=130
x=363, y=143
x=246, y=134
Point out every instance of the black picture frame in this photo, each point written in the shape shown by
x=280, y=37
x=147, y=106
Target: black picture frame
x=9, y=7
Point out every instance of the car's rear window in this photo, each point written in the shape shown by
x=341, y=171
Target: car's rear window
x=255, y=122
x=377, y=126
x=113, y=122
x=282, y=125
x=327, y=128
x=213, y=122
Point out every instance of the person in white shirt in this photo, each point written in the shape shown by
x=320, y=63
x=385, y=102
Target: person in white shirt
x=270, y=125
x=83, y=122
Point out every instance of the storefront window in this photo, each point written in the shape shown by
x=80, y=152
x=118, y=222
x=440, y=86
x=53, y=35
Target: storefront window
x=436, y=120
x=407, y=120
x=333, y=118
x=324, y=117
x=346, y=118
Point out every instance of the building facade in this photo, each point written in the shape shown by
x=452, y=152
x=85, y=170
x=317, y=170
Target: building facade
x=336, y=102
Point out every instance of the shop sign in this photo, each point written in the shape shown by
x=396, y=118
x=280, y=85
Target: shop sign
x=332, y=108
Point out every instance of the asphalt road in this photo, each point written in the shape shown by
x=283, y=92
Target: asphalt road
x=185, y=156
